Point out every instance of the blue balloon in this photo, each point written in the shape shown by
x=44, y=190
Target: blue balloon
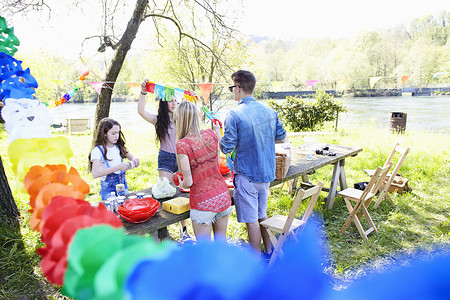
x=420, y=280
x=299, y=273
x=208, y=270
x=14, y=81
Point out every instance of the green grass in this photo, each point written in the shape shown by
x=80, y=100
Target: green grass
x=418, y=222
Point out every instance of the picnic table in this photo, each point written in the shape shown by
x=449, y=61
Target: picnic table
x=300, y=167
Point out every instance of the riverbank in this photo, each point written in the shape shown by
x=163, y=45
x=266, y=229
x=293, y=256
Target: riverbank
x=423, y=113
x=396, y=92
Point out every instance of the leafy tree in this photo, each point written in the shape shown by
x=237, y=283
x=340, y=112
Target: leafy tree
x=300, y=114
x=187, y=61
x=159, y=13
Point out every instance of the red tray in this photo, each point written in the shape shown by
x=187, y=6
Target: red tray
x=138, y=210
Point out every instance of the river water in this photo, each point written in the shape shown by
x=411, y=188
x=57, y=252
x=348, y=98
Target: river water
x=423, y=113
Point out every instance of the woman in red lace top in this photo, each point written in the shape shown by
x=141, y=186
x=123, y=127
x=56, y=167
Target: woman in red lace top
x=198, y=160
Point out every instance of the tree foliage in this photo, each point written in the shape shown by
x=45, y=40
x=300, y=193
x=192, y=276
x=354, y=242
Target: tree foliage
x=420, y=50
x=303, y=114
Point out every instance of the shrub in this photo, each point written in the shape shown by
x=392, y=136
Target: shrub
x=302, y=114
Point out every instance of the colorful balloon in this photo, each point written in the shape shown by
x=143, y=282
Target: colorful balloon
x=8, y=41
x=25, y=153
x=101, y=257
x=14, y=81
x=26, y=118
x=216, y=271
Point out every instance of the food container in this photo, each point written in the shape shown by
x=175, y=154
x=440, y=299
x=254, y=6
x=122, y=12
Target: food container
x=177, y=205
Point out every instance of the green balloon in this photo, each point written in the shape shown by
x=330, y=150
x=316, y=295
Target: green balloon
x=100, y=257
x=8, y=41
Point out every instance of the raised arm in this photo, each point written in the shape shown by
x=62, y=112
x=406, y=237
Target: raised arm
x=149, y=117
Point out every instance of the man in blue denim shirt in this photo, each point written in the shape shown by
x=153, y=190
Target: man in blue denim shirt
x=252, y=129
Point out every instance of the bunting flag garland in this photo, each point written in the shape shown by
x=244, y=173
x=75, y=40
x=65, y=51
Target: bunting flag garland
x=67, y=96
x=165, y=93
x=437, y=74
x=374, y=80
x=405, y=78
x=205, y=90
x=311, y=83
x=97, y=85
x=133, y=85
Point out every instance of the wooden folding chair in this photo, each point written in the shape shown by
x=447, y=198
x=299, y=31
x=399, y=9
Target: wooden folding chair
x=384, y=187
x=284, y=226
x=363, y=199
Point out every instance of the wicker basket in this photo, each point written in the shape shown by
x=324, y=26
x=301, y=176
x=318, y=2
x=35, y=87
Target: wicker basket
x=282, y=163
x=399, y=185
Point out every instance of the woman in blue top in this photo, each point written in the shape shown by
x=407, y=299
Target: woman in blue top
x=106, y=158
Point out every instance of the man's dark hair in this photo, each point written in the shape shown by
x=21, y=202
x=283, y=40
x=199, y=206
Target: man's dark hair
x=245, y=79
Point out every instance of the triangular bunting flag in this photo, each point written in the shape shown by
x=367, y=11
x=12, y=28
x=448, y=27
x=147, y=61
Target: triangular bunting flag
x=205, y=90
x=405, y=78
x=311, y=83
x=97, y=85
x=83, y=69
x=133, y=85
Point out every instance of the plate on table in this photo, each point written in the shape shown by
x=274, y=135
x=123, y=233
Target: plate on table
x=138, y=210
x=132, y=220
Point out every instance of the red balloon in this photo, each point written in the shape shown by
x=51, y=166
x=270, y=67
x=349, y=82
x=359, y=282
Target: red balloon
x=54, y=255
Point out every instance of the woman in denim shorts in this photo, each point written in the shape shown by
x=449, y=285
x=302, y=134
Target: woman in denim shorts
x=165, y=135
x=198, y=159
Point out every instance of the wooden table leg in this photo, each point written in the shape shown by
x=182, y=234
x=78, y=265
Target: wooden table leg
x=160, y=234
x=342, y=178
x=333, y=186
x=293, y=186
x=163, y=233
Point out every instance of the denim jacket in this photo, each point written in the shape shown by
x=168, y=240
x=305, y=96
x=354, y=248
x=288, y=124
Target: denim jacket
x=252, y=129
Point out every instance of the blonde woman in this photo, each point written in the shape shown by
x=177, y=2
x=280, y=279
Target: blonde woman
x=198, y=161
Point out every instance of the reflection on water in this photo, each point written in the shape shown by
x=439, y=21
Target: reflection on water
x=424, y=113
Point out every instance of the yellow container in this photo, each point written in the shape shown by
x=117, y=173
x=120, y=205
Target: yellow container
x=177, y=205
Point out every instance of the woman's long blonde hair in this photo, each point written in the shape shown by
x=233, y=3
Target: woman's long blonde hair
x=187, y=120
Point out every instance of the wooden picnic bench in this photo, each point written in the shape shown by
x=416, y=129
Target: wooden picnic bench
x=300, y=167
x=156, y=226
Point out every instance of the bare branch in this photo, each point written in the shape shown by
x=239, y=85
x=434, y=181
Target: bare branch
x=22, y=6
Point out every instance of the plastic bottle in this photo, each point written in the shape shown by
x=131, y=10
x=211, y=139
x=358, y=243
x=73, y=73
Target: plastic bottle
x=112, y=202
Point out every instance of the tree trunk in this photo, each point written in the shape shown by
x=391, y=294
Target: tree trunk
x=104, y=99
x=8, y=207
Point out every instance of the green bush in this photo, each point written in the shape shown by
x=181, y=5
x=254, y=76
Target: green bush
x=302, y=114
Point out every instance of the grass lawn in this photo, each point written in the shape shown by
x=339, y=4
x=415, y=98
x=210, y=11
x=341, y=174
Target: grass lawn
x=417, y=223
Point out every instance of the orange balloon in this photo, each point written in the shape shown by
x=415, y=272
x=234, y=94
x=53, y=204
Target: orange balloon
x=46, y=195
x=34, y=173
x=39, y=176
